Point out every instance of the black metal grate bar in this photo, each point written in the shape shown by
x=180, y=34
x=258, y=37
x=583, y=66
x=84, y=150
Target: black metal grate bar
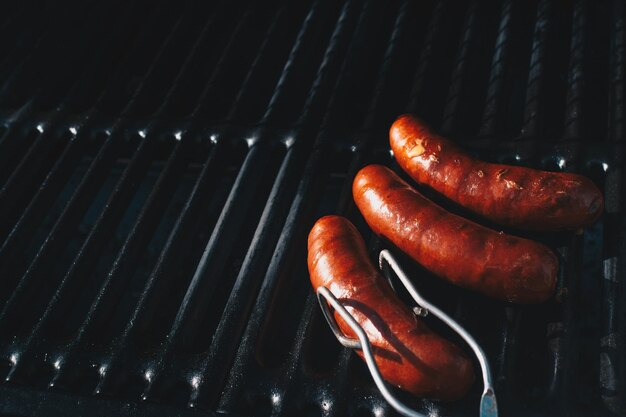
x=617, y=66
x=123, y=192
x=459, y=76
x=99, y=234
x=23, y=176
x=154, y=372
x=296, y=51
x=165, y=264
x=215, y=364
x=243, y=359
x=495, y=91
x=69, y=220
x=417, y=101
x=611, y=376
x=9, y=145
x=536, y=76
x=89, y=185
x=576, y=77
x=297, y=360
x=241, y=298
x=146, y=220
x=273, y=32
x=141, y=305
x=194, y=292
x=49, y=188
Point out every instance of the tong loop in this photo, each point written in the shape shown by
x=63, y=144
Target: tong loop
x=488, y=404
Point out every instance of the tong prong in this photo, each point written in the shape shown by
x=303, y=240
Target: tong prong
x=323, y=292
x=362, y=343
x=488, y=403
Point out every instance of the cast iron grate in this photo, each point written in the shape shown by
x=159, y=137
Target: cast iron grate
x=162, y=162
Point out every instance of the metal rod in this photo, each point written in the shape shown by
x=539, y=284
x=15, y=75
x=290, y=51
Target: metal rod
x=488, y=404
x=386, y=256
x=363, y=344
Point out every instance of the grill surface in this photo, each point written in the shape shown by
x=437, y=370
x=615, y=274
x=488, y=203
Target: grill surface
x=161, y=164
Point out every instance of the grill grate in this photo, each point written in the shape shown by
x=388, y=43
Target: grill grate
x=161, y=164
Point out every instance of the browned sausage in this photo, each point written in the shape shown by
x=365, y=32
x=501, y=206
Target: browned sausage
x=465, y=253
x=509, y=195
x=407, y=352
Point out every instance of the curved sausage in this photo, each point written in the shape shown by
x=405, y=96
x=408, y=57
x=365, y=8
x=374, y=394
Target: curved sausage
x=516, y=196
x=408, y=354
x=464, y=253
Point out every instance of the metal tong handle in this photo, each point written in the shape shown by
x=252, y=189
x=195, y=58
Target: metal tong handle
x=488, y=404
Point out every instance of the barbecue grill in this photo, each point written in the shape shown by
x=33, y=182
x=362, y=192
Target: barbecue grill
x=161, y=164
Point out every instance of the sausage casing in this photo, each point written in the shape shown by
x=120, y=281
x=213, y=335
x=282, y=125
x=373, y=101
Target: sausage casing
x=510, y=195
x=408, y=354
x=463, y=252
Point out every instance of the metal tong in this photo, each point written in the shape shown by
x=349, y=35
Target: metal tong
x=488, y=404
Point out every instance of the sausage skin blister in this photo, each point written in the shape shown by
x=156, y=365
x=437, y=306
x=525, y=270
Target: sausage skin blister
x=463, y=252
x=408, y=354
x=509, y=195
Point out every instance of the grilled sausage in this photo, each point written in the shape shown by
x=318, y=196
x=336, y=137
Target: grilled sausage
x=464, y=253
x=408, y=354
x=509, y=195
